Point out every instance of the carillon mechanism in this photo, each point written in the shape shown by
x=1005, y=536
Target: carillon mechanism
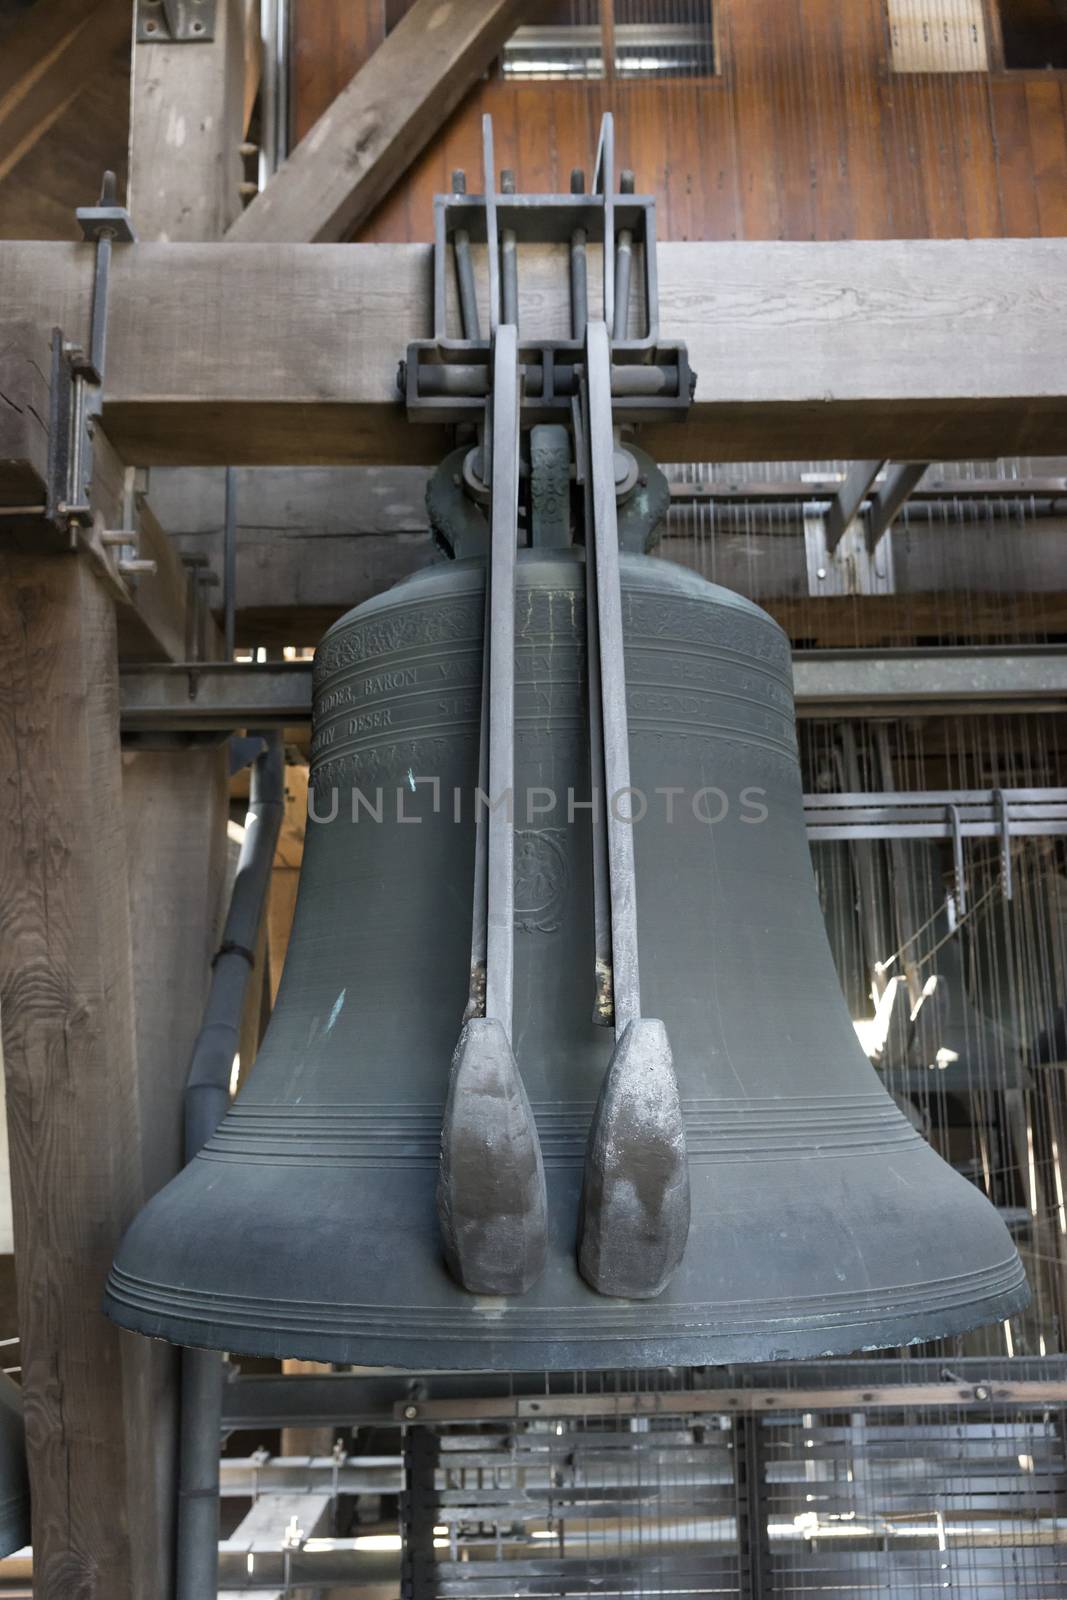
x=491, y=1197
x=556, y=836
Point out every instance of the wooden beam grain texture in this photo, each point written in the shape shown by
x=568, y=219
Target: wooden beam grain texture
x=47, y=61
x=66, y=1009
x=375, y=128
x=897, y=349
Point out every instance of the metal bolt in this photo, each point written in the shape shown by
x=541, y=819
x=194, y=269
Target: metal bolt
x=820, y=572
x=981, y=1392
x=410, y=1413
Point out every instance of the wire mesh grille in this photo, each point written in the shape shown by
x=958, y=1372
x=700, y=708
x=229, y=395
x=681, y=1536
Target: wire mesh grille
x=895, y=1499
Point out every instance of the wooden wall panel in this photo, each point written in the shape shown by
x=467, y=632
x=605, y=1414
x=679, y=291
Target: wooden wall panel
x=806, y=131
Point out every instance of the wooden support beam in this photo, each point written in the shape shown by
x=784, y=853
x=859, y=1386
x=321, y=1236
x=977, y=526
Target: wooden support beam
x=173, y=805
x=66, y=1008
x=103, y=1510
x=314, y=541
x=186, y=126
x=903, y=349
x=47, y=60
x=372, y=132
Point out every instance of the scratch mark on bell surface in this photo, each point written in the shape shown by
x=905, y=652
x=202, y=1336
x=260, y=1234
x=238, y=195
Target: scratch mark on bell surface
x=336, y=1012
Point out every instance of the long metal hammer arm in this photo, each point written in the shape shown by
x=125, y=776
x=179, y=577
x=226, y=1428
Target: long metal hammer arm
x=491, y=1196
x=630, y=1245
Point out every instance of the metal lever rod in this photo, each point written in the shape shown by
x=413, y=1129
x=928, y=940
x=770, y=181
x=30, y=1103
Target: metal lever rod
x=606, y=659
x=504, y=532
x=635, y=1195
x=604, y=1002
x=492, y=240
x=604, y=183
x=491, y=1197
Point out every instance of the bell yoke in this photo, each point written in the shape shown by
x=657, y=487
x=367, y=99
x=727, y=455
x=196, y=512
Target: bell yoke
x=659, y=1141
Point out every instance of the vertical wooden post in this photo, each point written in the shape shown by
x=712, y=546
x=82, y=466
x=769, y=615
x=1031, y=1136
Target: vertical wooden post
x=175, y=822
x=188, y=115
x=187, y=120
x=66, y=1009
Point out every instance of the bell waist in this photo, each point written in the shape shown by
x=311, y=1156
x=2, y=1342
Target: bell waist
x=771, y=1129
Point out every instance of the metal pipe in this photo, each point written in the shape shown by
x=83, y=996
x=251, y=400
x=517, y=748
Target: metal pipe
x=624, y=255
x=509, y=258
x=203, y=1377
x=470, y=380
x=461, y=246
x=786, y=515
x=492, y=240
x=579, y=267
x=207, y=1098
x=229, y=566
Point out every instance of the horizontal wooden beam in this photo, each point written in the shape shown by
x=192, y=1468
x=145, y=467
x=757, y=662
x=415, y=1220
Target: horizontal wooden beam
x=898, y=349
x=314, y=541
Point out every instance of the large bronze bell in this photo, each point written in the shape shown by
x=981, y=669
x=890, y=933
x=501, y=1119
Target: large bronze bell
x=821, y=1222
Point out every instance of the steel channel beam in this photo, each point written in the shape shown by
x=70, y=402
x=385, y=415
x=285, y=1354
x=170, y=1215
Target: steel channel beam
x=257, y=1402
x=828, y=683
x=887, y=500
x=849, y=498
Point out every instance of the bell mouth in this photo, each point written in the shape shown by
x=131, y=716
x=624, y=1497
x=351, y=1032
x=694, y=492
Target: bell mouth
x=381, y=1296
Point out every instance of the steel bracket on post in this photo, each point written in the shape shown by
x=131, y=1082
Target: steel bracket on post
x=445, y=379
x=176, y=21
x=77, y=378
x=847, y=564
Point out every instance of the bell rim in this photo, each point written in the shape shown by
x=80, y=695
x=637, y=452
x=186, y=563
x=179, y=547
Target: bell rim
x=786, y=1340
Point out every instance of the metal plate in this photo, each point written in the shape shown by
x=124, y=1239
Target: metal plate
x=175, y=21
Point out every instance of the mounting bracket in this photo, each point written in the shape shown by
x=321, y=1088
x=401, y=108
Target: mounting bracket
x=175, y=21
x=446, y=379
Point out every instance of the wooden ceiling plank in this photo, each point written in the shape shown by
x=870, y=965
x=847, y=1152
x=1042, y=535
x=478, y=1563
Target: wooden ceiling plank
x=375, y=128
